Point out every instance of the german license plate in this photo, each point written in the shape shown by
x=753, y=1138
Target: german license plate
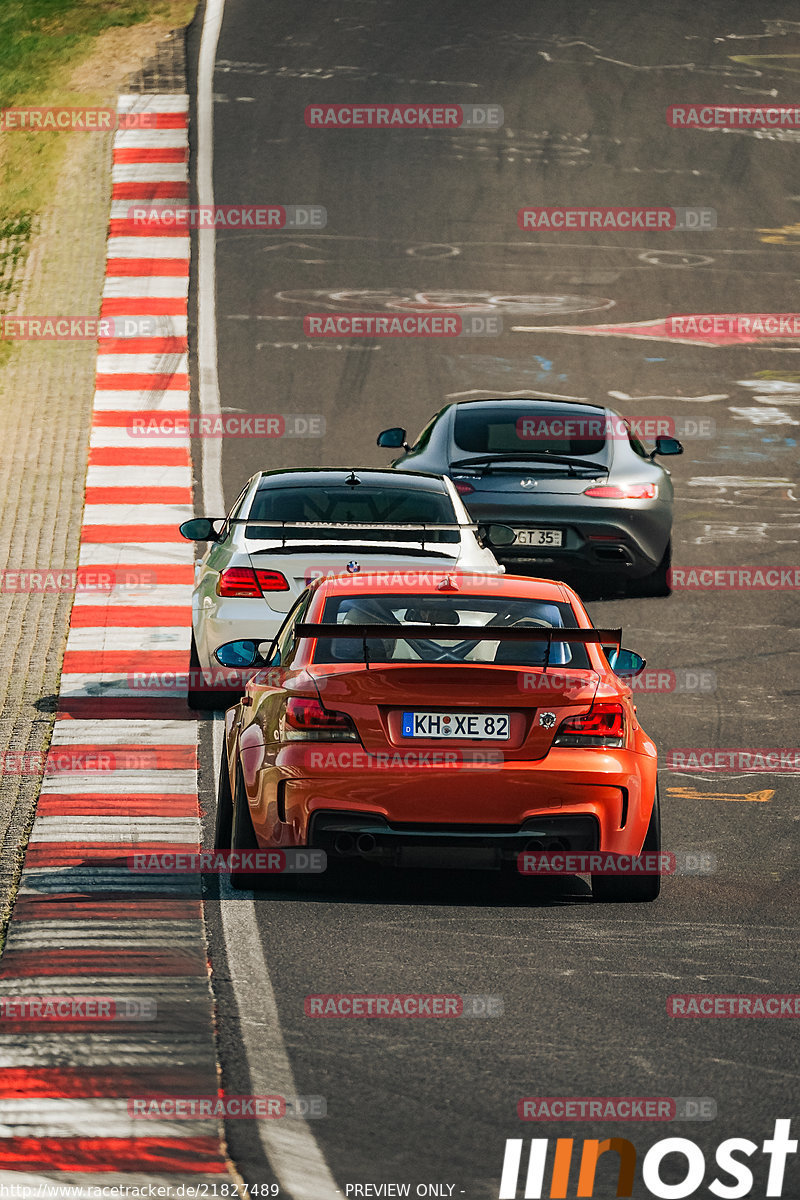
x=539, y=537
x=476, y=726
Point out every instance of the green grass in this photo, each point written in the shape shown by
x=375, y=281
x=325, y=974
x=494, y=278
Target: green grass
x=41, y=39
x=42, y=42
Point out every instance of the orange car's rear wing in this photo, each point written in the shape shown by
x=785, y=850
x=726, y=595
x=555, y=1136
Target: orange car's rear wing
x=472, y=633
x=459, y=633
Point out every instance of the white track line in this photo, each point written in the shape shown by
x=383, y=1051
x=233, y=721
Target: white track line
x=292, y=1150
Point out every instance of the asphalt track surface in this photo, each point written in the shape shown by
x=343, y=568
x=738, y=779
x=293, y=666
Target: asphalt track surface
x=584, y=89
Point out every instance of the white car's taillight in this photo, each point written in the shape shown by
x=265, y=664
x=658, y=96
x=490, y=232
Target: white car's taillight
x=250, y=582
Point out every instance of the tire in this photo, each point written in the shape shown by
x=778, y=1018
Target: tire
x=243, y=838
x=622, y=889
x=204, y=699
x=223, y=822
x=657, y=583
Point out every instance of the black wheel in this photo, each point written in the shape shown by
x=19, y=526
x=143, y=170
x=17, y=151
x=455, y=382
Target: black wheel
x=223, y=822
x=242, y=834
x=243, y=838
x=657, y=583
x=621, y=889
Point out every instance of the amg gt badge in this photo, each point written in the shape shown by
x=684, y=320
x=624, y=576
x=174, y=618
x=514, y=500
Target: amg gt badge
x=547, y=719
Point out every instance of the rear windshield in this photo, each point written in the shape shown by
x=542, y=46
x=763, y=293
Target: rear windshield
x=361, y=504
x=510, y=429
x=460, y=614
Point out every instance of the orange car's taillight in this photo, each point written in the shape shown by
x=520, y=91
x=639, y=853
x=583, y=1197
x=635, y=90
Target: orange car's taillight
x=245, y=581
x=631, y=491
x=603, y=725
x=307, y=720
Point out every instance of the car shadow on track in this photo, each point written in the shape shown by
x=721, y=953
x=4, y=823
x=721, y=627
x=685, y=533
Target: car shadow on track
x=449, y=888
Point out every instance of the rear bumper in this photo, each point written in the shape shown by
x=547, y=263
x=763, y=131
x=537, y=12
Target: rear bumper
x=372, y=838
x=601, y=538
x=557, y=797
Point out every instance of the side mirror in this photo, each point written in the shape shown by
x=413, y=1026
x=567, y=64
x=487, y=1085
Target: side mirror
x=198, y=529
x=247, y=653
x=667, y=445
x=237, y=654
x=393, y=439
x=497, y=535
x=627, y=664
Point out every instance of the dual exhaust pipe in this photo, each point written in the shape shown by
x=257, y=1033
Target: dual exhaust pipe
x=364, y=845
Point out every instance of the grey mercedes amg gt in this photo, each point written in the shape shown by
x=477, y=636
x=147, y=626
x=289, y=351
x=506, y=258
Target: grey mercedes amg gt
x=581, y=493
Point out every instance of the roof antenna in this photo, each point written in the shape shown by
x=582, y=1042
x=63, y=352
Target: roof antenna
x=352, y=480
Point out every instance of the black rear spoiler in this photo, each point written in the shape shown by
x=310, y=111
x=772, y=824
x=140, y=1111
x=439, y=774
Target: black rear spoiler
x=477, y=633
x=460, y=633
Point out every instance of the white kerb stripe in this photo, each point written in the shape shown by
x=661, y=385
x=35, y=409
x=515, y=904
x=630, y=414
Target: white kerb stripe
x=120, y=400
x=153, y=102
x=151, y=139
x=118, y=438
x=116, y=732
x=136, y=514
x=112, y=555
x=148, y=247
x=139, y=477
x=115, y=783
x=147, y=172
x=161, y=593
x=135, y=326
x=142, y=364
x=111, y=638
x=162, y=287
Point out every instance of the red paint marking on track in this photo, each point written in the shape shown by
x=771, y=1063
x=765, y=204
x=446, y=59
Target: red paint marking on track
x=164, y=757
x=45, y=908
x=87, y=962
x=124, y=708
x=133, y=534
x=147, y=266
x=121, y=418
x=81, y=1083
x=153, y=154
x=143, y=306
x=164, y=120
x=136, y=382
x=196, y=1155
x=145, y=190
x=143, y=345
x=145, y=661
x=146, y=573
x=137, y=456
x=105, y=853
x=138, y=495
x=120, y=616
x=126, y=227
x=171, y=804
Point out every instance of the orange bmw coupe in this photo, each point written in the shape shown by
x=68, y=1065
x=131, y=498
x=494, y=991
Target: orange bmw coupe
x=440, y=720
